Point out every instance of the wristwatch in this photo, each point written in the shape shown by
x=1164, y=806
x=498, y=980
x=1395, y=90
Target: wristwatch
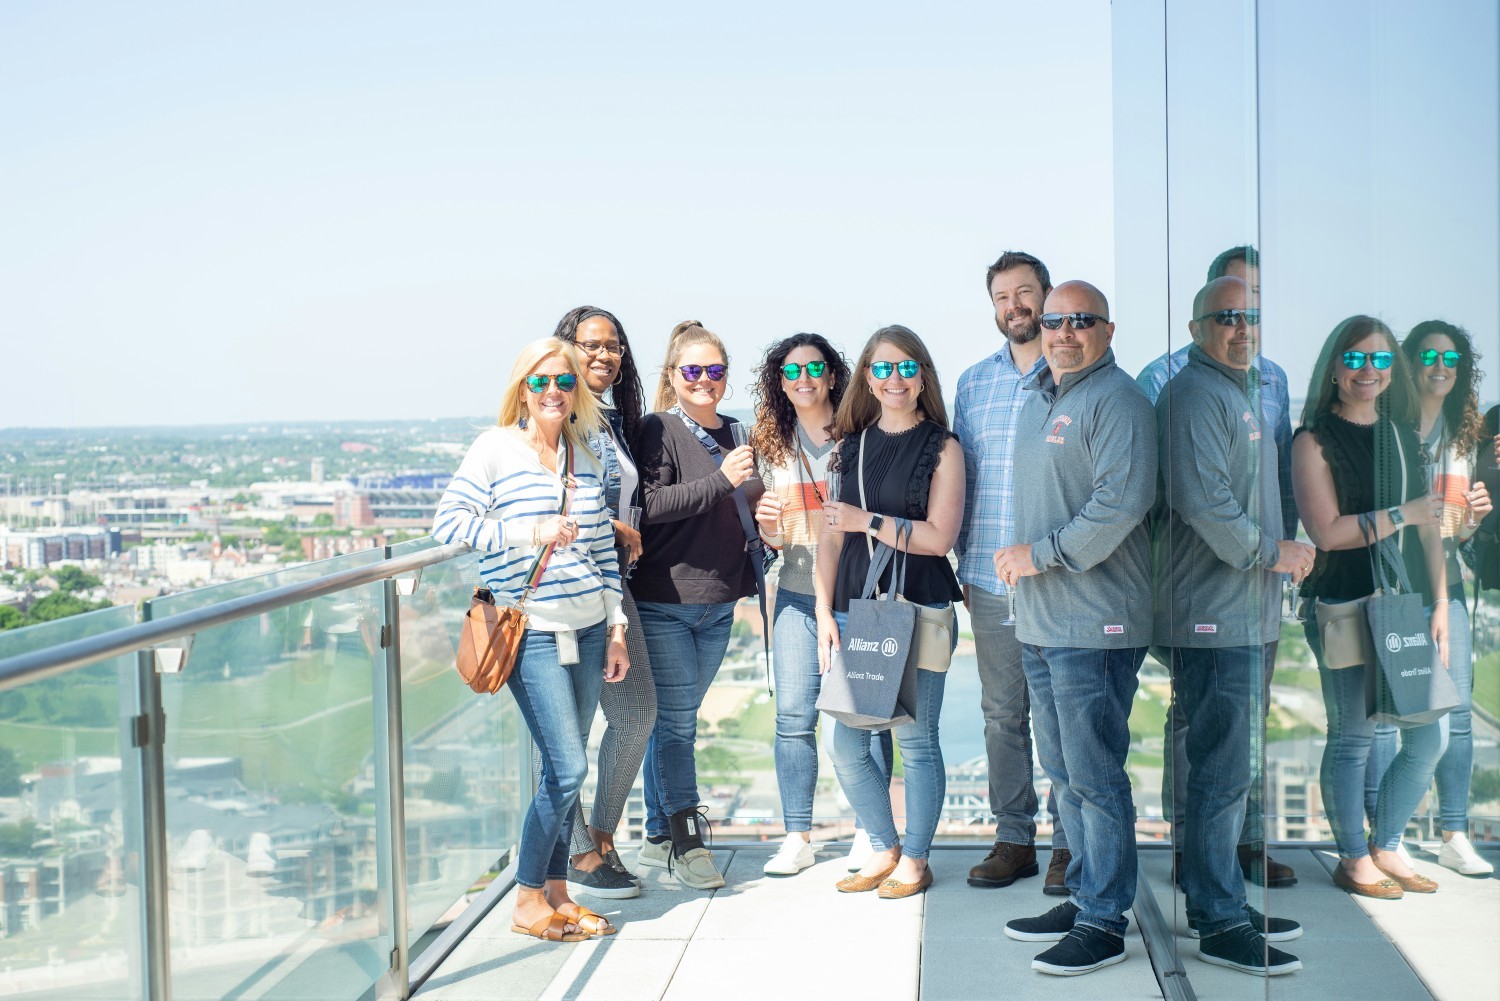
x=876, y=520
x=1397, y=518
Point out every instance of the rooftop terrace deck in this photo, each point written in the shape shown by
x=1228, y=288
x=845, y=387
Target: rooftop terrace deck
x=761, y=937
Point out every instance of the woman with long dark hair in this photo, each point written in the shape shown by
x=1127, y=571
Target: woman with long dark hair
x=1443, y=360
x=898, y=462
x=696, y=566
x=609, y=372
x=798, y=386
x=1357, y=459
x=530, y=495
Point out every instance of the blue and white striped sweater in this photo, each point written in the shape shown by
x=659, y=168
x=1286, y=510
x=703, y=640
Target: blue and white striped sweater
x=500, y=492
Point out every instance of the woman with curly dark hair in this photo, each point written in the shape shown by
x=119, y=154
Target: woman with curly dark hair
x=610, y=374
x=1444, y=364
x=798, y=386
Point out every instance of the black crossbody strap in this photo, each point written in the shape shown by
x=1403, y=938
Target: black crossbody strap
x=755, y=549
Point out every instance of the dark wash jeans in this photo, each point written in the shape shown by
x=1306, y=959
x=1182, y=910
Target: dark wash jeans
x=686, y=644
x=1080, y=707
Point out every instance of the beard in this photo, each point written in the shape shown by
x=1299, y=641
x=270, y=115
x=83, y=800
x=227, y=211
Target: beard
x=1030, y=329
x=1067, y=357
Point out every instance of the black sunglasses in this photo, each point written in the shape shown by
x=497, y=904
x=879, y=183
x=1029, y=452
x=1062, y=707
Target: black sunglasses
x=1232, y=317
x=1078, y=321
x=566, y=382
x=692, y=373
x=792, y=371
x=1355, y=360
x=1431, y=355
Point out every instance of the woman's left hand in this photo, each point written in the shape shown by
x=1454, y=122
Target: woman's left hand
x=628, y=539
x=1439, y=622
x=843, y=517
x=616, y=659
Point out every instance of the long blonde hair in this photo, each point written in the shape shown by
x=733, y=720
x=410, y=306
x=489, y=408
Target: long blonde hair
x=859, y=408
x=585, y=413
x=684, y=335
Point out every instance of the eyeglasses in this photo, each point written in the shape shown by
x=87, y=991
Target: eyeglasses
x=1431, y=355
x=566, y=382
x=792, y=371
x=1355, y=360
x=614, y=348
x=692, y=373
x=1232, y=317
x=907, y=368
x=1078, y=321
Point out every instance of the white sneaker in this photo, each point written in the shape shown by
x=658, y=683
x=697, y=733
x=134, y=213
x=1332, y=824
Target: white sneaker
x=859, y=852
x=696, y=869
x=792, y=857
x=655, y=854
x=1459, y=855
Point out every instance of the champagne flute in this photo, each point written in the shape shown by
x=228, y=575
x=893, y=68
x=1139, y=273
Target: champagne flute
x=631, y=515
x=1010, y=595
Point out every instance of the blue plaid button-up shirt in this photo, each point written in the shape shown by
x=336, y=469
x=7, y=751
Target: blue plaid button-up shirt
x=1275, y=412
x=990, y=395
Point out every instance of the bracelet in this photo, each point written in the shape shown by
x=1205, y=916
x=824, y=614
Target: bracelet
x=822, y=604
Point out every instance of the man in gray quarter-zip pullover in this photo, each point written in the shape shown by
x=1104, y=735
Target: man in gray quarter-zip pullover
x=1220, y=553
x=1086, y=477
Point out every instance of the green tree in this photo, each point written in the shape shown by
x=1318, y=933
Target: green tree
x=10, y=773
x=16, y=839
x=60, y=605
x=11, y=617
x=323, y=520
x=73, y=579
x=729, y=726
x=1486, y=785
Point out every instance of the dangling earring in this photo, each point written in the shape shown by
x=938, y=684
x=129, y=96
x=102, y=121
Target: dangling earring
x=728, y=392
x=618, y=376
x=572, y=418
x=521, y=423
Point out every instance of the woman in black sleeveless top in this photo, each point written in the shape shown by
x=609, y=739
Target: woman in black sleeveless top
x=896, y=427
x=1357, y=452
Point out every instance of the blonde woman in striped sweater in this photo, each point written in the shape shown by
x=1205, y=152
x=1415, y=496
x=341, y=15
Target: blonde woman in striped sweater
x=505, y=500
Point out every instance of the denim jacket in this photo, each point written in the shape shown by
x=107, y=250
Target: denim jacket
x=605, y=446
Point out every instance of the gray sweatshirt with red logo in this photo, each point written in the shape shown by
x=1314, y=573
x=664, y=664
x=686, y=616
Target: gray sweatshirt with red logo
x=1085, y=480
x=1219, y=517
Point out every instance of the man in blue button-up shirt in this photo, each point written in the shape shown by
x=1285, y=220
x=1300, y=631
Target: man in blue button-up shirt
x=990, y=395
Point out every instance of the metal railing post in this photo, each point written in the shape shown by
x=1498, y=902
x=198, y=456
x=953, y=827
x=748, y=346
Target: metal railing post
x=390, y=783
x=148, y=735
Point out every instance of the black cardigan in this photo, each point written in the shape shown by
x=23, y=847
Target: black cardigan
x=694, y=545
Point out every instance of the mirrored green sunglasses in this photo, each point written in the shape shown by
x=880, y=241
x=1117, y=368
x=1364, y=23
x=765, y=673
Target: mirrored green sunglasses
x=792, y=371
x=566, y=382
x=906, y=367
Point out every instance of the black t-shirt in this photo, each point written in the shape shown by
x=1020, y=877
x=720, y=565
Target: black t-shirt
x=897, y=476
x=1368, y=476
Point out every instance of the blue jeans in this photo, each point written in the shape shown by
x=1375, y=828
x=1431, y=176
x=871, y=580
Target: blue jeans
x=686, y=644
x=1346, y=759
x=867, y=782
x=1006, y=708
x=1455, y=768
x=557, y=702
x=1080, y=712
x=1218, y=691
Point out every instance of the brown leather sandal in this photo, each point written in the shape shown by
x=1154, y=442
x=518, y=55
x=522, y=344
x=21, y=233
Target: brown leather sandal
x=552, y=928
x=893, y=889
x=1386, y=889
x=862, y=884
x=595, y=924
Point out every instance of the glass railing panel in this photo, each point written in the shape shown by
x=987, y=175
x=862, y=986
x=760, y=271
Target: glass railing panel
x=70, y=850
x=274, y=874
x=465, y=754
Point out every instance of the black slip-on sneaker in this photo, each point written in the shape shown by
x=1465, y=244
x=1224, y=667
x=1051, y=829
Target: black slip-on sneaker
x=1243, y=948
x=1085, y=950
x=1050, y=927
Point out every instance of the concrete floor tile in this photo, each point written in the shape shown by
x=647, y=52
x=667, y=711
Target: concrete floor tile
x=727, y=970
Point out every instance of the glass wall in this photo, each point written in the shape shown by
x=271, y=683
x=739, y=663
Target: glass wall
x=71, y=893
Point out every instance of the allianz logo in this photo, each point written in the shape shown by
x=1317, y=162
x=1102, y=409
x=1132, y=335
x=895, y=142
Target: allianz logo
x=1396, y=643
x=887, y=647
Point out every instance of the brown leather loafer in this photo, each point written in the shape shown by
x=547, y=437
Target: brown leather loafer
x=1386, y=889
x=1262, y=870
x=894, y=890
x=1056, y=884
x=1411, y=884
x=863, y=884
x=1005, y=864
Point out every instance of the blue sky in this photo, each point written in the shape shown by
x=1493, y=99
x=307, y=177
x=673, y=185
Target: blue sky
x=348, y=210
